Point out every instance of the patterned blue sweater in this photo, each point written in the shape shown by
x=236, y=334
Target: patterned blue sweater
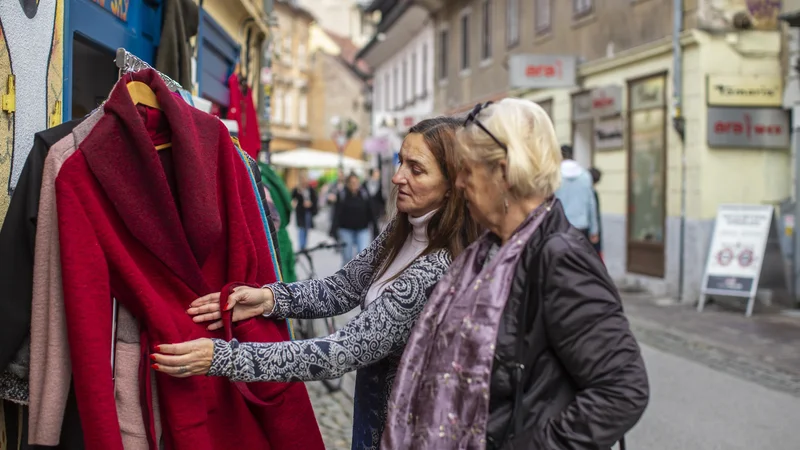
x=372, y=342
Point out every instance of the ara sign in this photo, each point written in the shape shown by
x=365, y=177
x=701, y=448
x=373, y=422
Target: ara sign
x=541, y=71
x=748, y=128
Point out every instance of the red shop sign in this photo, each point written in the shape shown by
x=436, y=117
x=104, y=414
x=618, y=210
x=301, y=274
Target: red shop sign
x=748, y=127
x=541, y=71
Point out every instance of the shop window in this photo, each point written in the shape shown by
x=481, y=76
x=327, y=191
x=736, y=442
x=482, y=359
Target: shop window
x=414, y=86
x=647, y=176
x=424, y=75
x=217, y=55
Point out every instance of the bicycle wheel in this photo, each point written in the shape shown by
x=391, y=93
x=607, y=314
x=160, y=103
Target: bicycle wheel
x=335, y=384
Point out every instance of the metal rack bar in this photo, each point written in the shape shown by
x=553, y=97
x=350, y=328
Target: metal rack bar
x=127, y=62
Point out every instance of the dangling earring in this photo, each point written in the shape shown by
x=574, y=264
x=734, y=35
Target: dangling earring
x=505, y=203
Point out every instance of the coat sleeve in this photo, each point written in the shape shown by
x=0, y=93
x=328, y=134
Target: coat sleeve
x=592, y=339
x=331, y=296
x=381, y=329
x=87, y=303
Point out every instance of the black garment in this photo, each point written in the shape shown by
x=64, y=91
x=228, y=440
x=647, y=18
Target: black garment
x=174, y=58
x=378, y=206
x=354, y=211
x=17, y=238
x=300, y=196
x=584, y=380
x=599, y=245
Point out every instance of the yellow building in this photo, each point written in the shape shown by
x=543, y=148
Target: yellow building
x=291, y=73
x=736, y=147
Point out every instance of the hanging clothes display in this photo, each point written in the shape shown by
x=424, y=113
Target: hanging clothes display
x=168, y=229
x=17, y=247
x=283, y=203
x=243, y=111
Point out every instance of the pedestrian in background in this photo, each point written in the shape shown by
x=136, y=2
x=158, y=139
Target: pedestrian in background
x=304, y=200
x=354, y=218
x=596, y=175
x=390, y=281
x=577, y=195
x=523, y=344
x=374, y=187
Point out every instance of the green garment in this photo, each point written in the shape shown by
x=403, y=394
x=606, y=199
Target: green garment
x=283, y=203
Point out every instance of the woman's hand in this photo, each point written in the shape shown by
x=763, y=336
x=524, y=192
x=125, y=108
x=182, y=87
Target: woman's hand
x=184, y=360
x=246, y=302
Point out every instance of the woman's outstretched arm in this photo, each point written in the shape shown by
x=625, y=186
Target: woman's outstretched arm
x=333, y=295
x=382, y=328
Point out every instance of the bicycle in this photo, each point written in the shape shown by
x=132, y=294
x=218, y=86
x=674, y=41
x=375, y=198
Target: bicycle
x=311, y=328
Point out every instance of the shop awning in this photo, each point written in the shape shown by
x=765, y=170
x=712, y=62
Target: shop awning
x=309, y=158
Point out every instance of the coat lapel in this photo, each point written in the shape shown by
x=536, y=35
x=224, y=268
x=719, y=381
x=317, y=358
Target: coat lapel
x=121, y=155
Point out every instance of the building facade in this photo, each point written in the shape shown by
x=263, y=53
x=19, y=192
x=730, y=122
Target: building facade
x=344, y=17
x=339, y=88
x=291, y=77
x=604, y=71
x=402, y=57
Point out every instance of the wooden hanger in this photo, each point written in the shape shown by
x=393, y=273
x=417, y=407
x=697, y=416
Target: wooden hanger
x=141, y=94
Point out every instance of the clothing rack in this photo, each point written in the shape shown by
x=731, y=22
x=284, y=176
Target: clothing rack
x=127, y=63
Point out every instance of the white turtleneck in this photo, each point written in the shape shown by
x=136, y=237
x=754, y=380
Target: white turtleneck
x=415, y=244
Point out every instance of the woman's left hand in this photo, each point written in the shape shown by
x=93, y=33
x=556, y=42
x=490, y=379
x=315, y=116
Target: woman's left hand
x=184, y=360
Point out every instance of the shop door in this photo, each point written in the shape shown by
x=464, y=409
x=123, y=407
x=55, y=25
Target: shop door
x=647, y=162
x=93, y=31
x=582, y=129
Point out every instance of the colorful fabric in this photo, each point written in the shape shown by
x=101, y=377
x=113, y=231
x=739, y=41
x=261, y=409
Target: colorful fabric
x=283, y=203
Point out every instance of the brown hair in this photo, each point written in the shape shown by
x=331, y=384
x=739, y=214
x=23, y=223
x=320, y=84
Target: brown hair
x=451, y=227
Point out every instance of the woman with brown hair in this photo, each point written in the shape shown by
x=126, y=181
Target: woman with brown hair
x=390, y=280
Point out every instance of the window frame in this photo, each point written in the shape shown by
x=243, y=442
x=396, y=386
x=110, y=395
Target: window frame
x=587, y=5
x=444, y=53
x=486, y=30
x=512, y=23
x=465, y=48
x=424, y=68
x=538, y=27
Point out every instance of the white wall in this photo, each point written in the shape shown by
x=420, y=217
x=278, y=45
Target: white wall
x=421, y=107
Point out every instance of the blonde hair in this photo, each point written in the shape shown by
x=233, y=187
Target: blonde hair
x=533, y=161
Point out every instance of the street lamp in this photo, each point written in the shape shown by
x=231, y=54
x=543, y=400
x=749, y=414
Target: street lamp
x=343, y=131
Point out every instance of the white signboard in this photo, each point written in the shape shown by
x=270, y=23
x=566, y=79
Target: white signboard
x=737, y=252
x=542, y=71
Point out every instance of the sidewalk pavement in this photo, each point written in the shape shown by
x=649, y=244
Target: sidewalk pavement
x=764, y=348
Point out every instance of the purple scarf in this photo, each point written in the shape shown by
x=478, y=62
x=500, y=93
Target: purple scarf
x=441, y=394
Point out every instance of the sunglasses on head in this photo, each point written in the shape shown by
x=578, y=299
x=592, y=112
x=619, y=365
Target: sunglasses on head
x=473, y=117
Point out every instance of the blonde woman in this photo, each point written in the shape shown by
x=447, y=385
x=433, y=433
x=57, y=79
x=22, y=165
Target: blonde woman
x=523, y=344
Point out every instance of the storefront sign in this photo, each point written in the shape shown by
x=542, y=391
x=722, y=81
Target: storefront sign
x=582, y=107
x=607, y=101
x=117, y=7
x=609, y=133
x=648, y=93
x=541, y=71
x=738, y=251
x=727, y=90
x=748, y=127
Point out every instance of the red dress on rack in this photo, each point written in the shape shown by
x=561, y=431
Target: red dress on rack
x=156, y=231
x=243, y=111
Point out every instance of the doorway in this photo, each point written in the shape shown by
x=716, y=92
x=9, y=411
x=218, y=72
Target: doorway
x=93, y=75
x=647, y=175
x=582, y=143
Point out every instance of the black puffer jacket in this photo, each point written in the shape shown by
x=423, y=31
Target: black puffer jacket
x=584, y=382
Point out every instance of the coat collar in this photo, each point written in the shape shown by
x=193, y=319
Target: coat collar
x=121, y=155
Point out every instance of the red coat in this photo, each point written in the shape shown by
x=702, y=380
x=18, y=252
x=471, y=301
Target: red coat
x=243, y=111
x=122, y=235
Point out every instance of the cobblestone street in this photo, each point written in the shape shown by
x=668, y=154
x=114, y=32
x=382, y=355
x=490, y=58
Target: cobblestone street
x=334, y=415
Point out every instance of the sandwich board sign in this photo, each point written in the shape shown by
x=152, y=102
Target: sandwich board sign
x=739, y=248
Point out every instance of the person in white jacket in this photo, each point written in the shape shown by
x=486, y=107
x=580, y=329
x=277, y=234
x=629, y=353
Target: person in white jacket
x=577, y=196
